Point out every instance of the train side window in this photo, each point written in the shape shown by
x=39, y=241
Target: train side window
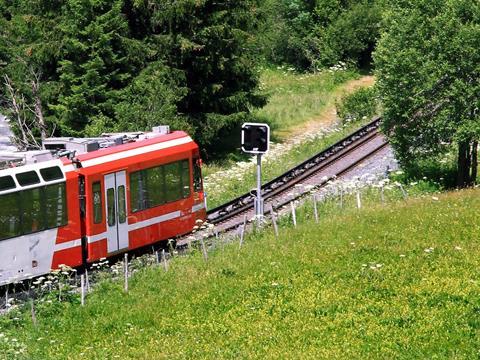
x=137, y=191
x=97, y=202
x=156, y=181
x=32, y=210
x=159, y=185
x=122, y=215
x=185, y=175
x=55, y=206
x=197, y=176
x=33, y=218
x=111, y=207
x=6, y=183
x=9, y=216
x=27, y=178
x=51, y=173
x=172, y=181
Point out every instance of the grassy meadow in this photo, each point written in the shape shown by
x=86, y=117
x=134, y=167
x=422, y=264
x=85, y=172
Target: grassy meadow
x=398, y=280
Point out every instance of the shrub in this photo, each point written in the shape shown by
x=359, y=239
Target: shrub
x=358, y=105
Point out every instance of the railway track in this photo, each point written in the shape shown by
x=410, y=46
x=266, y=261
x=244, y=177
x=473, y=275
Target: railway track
x=332, y=162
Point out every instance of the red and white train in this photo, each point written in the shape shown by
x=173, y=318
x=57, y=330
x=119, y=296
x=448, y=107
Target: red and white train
x=98, y=197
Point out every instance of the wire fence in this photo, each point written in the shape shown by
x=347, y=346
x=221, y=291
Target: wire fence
x=307, y=202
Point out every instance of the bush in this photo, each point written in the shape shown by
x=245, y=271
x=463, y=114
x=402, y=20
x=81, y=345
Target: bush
x=351, y=36
x=358, y=105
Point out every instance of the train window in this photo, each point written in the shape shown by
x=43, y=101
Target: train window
x=185, y=175
x=33, y=210
x=122, y=216
x=137, y=191
x=173, y=181
x=6, y=183
x=27, y=178
x=9, y=216
x=55, y=205
x=158, y=185
x=97, y=202
x=51, y=173
x=197, y=176
x=156, y=194
x=32, y=214
x=111, y=207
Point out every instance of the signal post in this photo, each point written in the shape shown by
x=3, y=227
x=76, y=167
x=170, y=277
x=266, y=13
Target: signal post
x=255, y=140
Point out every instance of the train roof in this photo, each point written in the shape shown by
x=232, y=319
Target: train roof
x=87, y=152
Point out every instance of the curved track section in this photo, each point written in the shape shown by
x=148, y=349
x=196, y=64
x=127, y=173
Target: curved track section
x=315, y=172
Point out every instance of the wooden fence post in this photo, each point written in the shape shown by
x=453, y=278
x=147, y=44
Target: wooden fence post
x=359, y=200
x=34, y=316
x=294, y=215
x=341, y=197
x=87, y=281
x=82, y=289
x=404, y=193
x=242, y=230
x=125, y=267
x=164, y=258
x=315, y=210
x=274, y=222
x=204, y=249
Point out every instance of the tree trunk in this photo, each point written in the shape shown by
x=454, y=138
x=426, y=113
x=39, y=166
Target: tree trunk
x=474, y=162
x=462, y=169
x=38, y=105
x=468, y=164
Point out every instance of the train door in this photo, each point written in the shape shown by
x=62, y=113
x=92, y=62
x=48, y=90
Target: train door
x=116, y=211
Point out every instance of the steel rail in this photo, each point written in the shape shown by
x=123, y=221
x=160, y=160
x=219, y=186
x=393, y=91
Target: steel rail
x=279, y=204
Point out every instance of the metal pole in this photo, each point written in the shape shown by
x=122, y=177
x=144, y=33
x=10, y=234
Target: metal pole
x=259, y=207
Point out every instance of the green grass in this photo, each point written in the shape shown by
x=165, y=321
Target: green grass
x=360, y=284
x=296, y=98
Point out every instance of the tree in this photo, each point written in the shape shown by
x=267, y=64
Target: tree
x=349, y=36
x=315, y=34
x=28, y=47
x=87, y=66
x=209, y=43
x=428, y=69
x=97, y=60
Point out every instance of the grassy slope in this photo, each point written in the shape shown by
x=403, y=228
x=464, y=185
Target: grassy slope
x=294, y=100
x=297, y=98
x=358, y=285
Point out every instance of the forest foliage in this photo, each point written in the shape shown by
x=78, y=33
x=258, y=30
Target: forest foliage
x=314, y=34
x=82, y=67
x=124, y=65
